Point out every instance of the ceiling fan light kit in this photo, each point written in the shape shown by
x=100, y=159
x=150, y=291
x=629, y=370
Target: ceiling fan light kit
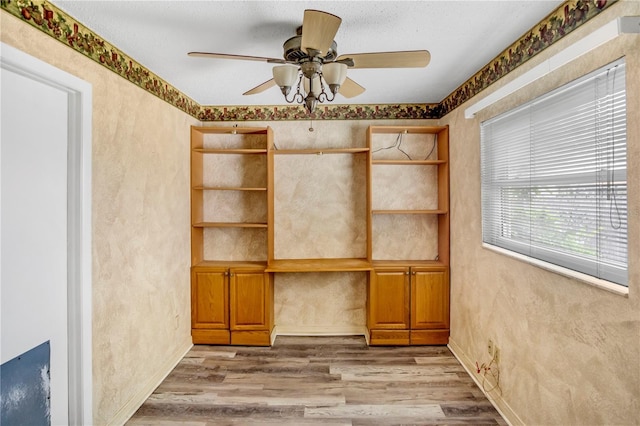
x=335, y=73
x=314, y=77
x=312, y=86
x=285, y=77
x=311, y=59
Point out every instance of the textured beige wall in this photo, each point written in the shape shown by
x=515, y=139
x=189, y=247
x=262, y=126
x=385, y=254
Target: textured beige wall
x=570, y=352
x=141, y=311
x=320, y=206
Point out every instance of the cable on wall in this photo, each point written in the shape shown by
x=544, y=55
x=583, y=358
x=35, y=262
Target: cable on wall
x=490, y=375
x=398, y=146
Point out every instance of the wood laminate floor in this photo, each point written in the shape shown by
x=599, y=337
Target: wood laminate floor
x=317, y=381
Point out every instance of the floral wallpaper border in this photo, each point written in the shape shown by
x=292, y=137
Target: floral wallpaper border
x=323, y=112
x=566, y=18
x=56, y=23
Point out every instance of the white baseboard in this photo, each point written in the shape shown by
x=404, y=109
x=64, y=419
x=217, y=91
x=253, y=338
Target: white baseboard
x=319, y=330
x=496, y=400
x=136, y=401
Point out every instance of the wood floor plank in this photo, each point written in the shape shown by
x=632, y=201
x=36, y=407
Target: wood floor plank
x=317, y=380
x=356, y=411
x=402, y=370
x=384, y=396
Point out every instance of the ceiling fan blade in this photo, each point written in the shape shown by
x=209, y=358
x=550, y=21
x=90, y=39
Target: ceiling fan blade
x=261, y=88
x=350, y=88
x=240, y=57
x=318, y=30
x=406, y=59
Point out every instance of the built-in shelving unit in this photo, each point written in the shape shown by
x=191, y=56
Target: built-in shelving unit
x=232, y=294
x=408, y=293
x=260, y=210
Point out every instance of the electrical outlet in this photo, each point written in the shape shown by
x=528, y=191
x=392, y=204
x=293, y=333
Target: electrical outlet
x=490, y=347
x=496, y=354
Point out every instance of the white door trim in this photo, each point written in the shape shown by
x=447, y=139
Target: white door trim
x=79, y=294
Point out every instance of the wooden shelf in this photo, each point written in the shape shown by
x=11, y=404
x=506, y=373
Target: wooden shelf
x=321, y=151
x=318, y=265
x=230, y=130
x=228, y=225
x=226, y=188
x=436, y=264
x=409, y=212
x=231, y=264
x=409, y=162
x=230, y=150
x=407, y=129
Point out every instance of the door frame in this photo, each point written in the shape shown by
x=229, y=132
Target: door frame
x=79, y=262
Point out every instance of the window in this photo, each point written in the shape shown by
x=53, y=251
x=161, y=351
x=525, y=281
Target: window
x=554, y=181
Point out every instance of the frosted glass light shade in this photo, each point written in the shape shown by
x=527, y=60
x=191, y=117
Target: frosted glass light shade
x=316, y=85
x=334, y=73
x=285, y=75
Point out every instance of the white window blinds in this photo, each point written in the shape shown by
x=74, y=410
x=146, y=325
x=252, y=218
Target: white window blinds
x=554, y=181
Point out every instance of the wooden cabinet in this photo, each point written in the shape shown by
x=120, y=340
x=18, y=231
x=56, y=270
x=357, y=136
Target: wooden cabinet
x=210, y=305
x=429, y=299
x=251, y=302
x=408, y=305
x=231, y=292
x=408, y=298
x=231, y=305
x=389, y=299
x=429, y=306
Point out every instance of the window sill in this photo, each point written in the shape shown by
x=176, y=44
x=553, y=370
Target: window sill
x=587, y=279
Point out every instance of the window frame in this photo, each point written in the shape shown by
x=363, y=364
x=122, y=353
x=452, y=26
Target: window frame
x=570, y=265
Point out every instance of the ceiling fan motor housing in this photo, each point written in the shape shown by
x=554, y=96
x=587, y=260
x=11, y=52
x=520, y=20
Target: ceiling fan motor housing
x=294, y=53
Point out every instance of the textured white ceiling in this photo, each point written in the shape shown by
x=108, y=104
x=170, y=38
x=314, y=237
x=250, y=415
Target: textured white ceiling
x=462, y=37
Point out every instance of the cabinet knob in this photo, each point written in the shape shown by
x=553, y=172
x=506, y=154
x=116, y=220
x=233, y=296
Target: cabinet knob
x=231, y=274
x=226, y=274
x=406, y=273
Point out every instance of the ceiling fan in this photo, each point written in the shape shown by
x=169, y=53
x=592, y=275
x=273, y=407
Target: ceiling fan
x=311, y=58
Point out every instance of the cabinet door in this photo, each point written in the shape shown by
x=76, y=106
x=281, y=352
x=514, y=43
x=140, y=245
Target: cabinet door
x=210, y=299
x=389, y=299
x=429, y=299
x=249, y=300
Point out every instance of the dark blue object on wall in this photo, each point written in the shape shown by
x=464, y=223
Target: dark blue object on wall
x=25, y=392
